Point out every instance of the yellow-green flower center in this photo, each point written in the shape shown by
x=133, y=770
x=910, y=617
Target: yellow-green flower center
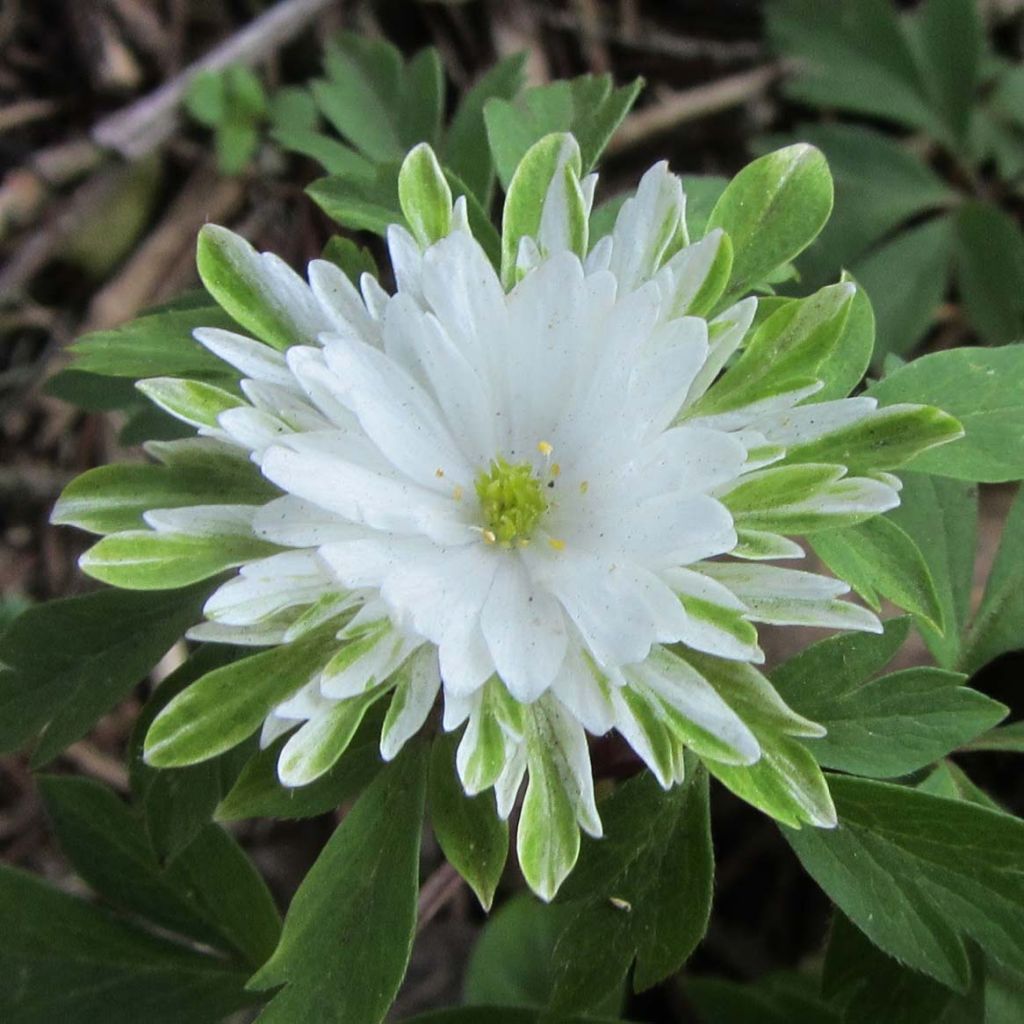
x=512, y=501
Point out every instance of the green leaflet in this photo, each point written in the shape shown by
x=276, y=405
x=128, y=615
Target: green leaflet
x=551, y=167
x=237, y=276
x=225, y=706
x=885, y=727
x=878, y=559
x=588, y=107
x=364, y=201
x=424, y=195
x=75, y=961
x=258, y=793
x=147, y=560
x=462, y=151
x=643, y=891
x=113, y=498
x=919, y=875
x=980, y=387
x=468, y=830
x=191, y=401
x=154, y=345
x=998, y=625
x=363, y=884
x=784, y=352
x=886, y=439
x=208, y=891
x=772, y=210
x=108, y=642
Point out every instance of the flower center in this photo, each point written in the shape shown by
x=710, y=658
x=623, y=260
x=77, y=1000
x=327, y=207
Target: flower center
x=512, y=500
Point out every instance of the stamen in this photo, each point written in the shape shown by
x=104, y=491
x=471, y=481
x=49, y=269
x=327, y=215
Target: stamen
x=558, y=545
x=545, y=447
x=457, y=492
x=439, y=472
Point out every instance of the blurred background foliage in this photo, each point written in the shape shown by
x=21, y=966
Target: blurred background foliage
x=127, y=124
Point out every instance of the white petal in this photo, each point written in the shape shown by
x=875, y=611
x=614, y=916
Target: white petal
x=525, y=631
x=252, y=358
x=417, y=689
x=341, y=302
x=809, y=422
x=296, y=523
x=204, y=520
x=683, y=276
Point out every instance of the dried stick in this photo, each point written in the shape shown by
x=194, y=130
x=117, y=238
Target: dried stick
x=144, y=126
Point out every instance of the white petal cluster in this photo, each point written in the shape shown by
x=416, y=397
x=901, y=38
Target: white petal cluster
x=382, y=427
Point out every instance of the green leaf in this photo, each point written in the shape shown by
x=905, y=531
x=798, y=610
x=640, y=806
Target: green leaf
x=941, y=517
x=878, y=559
x=919, y=875
x=237, y=276
x=952, y=782
x=351, y=258
x=552, y=160
x=880, y=184
x=642, y=891
x=356, y=909
x=920, y=259
x=147, y=560
x=156, y=345
x=210, y=891
x=887, y=439
x=1008, y=738
x=228, y=704
x=949, y=36
x=771, y=999
x=784, y=352
x=424, y=195
x=981, y=388
x=364, y=202
x=113, y=498
x=844, y=367
x=206, y=97
x=499, y=1015
x=75, y=962
x=468, y=829
x=178, y=803
x=989, y=254
x=588, y=107
x=870, y=986
x=772, y=210
x=513, y=961
x=360, y=95
x=421, y=100
x=191, y=401
x=258, y=792
x=108, y=642
x=702, y=192
x=884, y=727
x=854, y=56
x=463, y=152
x=236, y=143
x=998, y=626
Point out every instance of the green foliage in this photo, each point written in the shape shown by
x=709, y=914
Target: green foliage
x=468, y=829
x=76, y=962
x=643, y=892
x=920, y=875
x=356, y=909
x=108, y=642
x=233, y=104
x=980, y=388
x=930, y=70
x=881, y=727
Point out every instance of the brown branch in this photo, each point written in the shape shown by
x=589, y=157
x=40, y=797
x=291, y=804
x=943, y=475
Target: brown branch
x=436, y=891
x=691, y=104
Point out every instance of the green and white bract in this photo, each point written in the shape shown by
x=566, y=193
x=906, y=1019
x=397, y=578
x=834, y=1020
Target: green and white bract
x=544, y=494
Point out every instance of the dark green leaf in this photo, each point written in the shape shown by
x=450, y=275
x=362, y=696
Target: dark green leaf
x=259, y=794
x=883, y=727
x=468, y=829
x=878, y=559
x=998, y=626
x=990, y=269
x=871, y=986
x=108, y=642
x=773, y=999
x=463, y=150
x=941, y=517
x=920, y=874
x=76, y=963
x=361, y=202
x=644, y=891
x=355, y=910
x=420, y=106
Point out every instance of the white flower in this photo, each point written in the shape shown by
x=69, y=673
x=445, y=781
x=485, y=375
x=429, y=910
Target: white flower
x=524, y=499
